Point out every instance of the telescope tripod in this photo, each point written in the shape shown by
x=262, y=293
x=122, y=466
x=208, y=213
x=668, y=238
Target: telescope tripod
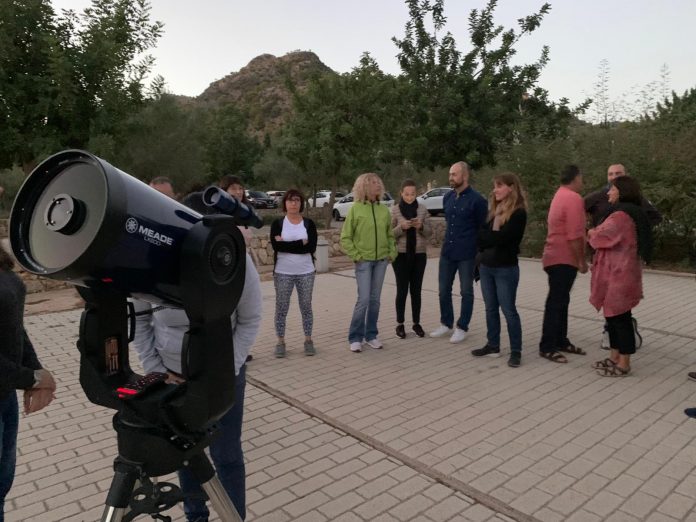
x=133, y=492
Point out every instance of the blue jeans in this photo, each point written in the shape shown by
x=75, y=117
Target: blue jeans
x=499, y=289
x=9, y=424
x=447, y=270
x=228, y=459
x=370, y=276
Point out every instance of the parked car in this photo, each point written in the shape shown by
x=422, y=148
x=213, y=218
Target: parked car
x=323, y=197
x=342, y=206
x=277, y=195
x=432, y=200
x=260, y=199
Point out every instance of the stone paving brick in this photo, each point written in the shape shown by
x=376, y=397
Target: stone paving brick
x=306, y=503
x=568, y=501
x=414, y=505
x=676, y=506
x=341, y=504
x=452, y=505
x=603, y=503
x=640, y=504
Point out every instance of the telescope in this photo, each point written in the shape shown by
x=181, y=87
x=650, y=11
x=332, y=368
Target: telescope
x=79, y=219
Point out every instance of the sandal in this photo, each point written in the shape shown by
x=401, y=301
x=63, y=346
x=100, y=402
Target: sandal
x=571, y=348
x=554, y=356
x=613, y=371
x=604, y=363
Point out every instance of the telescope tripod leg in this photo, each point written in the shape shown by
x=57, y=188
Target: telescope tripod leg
x=117, y=501
x=219, y=499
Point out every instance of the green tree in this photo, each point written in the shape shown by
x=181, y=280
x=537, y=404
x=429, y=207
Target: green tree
x=230, y=149
x=69, y=80
x=27, y=92
x=343, y=123
x=274, y=171
x=164, y=139
x=464, y=105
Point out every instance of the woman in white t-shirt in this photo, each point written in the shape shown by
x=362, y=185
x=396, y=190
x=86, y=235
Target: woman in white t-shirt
x=294, y=241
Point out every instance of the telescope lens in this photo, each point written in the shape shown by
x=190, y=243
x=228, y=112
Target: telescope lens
x=67, y=216
x=223, y=255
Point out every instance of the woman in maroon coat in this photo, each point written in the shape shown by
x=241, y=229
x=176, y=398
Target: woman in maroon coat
x=617, y=287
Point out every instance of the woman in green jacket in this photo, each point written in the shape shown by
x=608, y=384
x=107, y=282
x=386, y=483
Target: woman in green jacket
x=368, y=240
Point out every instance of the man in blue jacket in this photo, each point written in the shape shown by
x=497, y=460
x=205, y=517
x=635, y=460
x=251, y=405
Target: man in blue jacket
x=465, y=212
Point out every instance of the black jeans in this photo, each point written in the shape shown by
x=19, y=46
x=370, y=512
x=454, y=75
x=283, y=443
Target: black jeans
x=409, y=272
x=621, y=334
x=554, y=332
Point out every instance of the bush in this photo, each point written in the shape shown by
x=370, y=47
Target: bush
x=11, y=181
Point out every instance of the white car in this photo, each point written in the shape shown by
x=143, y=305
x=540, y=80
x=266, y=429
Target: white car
x=277, y=195
x=432, y=200
x=323, y=197
x=342, y=206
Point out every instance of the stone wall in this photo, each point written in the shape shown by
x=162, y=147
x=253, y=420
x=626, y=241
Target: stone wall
x=262, y=252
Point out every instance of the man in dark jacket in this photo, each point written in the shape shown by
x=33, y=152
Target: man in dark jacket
x=597, y=207
x=597, y=203
x=19, y=370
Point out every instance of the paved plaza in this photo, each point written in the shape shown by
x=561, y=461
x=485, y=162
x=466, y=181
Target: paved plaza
x=418, y=431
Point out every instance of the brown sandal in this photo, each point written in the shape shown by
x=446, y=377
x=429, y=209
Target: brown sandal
x=554, y=356
x=604, y=363
x=613, y=371
x=571, y=348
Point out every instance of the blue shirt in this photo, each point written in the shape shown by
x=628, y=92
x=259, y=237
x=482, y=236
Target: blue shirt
x=465, y=213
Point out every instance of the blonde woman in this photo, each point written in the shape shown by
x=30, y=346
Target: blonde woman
x=368, y=240
x=411, y=229
x=499, y=243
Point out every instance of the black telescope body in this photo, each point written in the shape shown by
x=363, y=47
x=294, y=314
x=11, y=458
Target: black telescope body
x=81, y=220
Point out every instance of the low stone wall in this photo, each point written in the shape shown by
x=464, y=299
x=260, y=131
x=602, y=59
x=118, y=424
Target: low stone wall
x=262, y=252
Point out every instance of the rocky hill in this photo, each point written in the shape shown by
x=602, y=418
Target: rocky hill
x=261, y=87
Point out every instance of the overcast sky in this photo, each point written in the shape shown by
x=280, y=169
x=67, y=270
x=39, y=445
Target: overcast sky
x=204, y=40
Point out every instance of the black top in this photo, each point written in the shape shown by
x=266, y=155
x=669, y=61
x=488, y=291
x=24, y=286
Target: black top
x=293, y=247
x=17, y=357
x=598, y=207
x=500, y=248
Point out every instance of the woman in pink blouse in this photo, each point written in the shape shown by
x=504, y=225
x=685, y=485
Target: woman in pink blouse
x=620, y=242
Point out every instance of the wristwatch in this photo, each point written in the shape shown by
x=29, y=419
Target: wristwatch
x=37, y=378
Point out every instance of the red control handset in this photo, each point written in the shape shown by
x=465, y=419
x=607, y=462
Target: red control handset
x=137, y=388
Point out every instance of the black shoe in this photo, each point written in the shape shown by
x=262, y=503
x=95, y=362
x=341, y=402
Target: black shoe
x=486, y=351
x=692, y=376
x=690, y=412
x=419, y=330
x=515, y=359
x=250, y=358
x=400, y=331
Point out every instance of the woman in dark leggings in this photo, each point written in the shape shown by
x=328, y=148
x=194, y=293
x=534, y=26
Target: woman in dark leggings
x=411, y=230
x=620, y=242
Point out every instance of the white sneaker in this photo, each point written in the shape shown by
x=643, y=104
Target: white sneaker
x=606, y=344
x=356, y=347
x=441, y=331
x=375, y=343
x=458, y=336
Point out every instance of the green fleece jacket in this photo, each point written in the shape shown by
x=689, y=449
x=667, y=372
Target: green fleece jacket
x=367, y=234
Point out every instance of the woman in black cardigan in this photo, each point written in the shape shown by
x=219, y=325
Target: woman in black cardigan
x=19, y=370
x=294, y=241
x=499, y=243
